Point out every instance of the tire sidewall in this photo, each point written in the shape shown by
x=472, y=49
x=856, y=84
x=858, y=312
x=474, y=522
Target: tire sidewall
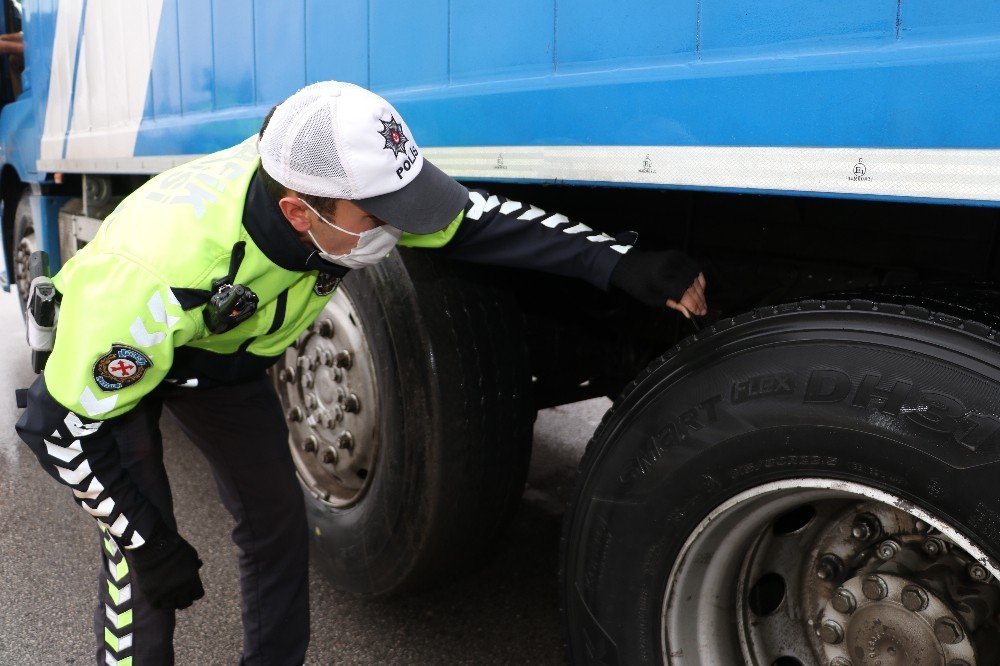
x=693, y=434
x=392, y=503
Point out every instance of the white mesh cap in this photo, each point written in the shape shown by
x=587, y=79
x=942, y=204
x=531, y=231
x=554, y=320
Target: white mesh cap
x=338, y=140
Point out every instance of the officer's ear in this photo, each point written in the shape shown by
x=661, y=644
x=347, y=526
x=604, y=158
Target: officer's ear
x=296, y=212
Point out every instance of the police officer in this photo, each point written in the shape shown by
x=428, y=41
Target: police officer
x=196, y=284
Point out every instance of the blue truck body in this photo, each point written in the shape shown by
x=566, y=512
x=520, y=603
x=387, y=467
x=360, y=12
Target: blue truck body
x=865, y=99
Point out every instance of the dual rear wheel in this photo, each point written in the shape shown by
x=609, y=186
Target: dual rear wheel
x=810, y=484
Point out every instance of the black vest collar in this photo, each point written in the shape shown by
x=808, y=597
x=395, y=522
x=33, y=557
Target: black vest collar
x=272, y=233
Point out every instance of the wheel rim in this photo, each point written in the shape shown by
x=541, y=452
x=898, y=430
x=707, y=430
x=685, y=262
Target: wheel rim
x=326, y=382
x=817, y=571
x=25, y=247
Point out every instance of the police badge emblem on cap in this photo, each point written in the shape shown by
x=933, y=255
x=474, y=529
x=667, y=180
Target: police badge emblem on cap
x=120, y=367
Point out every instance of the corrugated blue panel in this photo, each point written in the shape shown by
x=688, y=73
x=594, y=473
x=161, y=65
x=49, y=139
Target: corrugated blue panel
x=953, y=19
x=39, y=23
x=165, y=77
x=947, y=98
x=409, y=43
x=727, y=25
x=337, y=41
x=279, y=35
x=637, y=32
x=508, y=37
x=194, y=25
x=233, y=52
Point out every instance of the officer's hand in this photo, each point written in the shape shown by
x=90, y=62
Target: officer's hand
x=661, y=278
x=166, y=570
x=693, y=301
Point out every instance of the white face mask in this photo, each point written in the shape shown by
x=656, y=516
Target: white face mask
x=373, y=244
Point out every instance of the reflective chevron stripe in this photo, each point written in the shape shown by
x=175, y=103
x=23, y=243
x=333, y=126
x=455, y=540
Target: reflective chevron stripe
x=63, y=453
x=102, y=510
x=118, y=620
x=111, y=661
x=118, y=570
x=119, y=526
x=95, y=489
x=109, y=545
x=74, y=476
x=115, y=643
x=120, y=596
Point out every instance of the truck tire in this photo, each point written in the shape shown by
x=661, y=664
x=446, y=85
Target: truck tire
x=25, y=242
x=813, y=483
x=410, y=421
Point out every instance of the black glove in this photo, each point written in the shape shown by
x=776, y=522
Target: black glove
x=166, y=570
x=653, y=277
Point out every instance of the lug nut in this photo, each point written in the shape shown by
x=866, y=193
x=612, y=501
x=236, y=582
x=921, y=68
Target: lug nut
x=308, y=379
x=948, y=631
x=888, y=549
x=875, y=588
x=286, y=376
x=844, y=602
x=831, y=633
x=933, y=547
x=866, y=527
x=330, y=456
x=338, y=375
x=346, y=441
x=351, y=404
x=310, y=444
x=327, y=358
x=914, y=598
x=311, y=401
x=326, y=328
x=829, y=567
x=294, y=414
x=978, y=572
x=305, y=362
x=344, y=359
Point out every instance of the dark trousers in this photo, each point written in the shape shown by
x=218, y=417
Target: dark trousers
x=241, y=431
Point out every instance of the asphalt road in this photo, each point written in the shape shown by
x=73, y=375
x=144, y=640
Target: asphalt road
x=507, y=613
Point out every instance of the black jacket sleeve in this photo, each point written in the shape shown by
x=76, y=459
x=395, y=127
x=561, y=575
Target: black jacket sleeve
x=82, y=454
x=499, y=231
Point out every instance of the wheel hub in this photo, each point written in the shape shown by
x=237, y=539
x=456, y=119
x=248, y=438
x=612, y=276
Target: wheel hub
x=900, y=628
x=21, y=256
x=815, y=571
x=327, y=385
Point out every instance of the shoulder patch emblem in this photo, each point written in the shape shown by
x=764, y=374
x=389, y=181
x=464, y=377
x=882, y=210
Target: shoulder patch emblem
x=326, y=284
x=120, y=367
